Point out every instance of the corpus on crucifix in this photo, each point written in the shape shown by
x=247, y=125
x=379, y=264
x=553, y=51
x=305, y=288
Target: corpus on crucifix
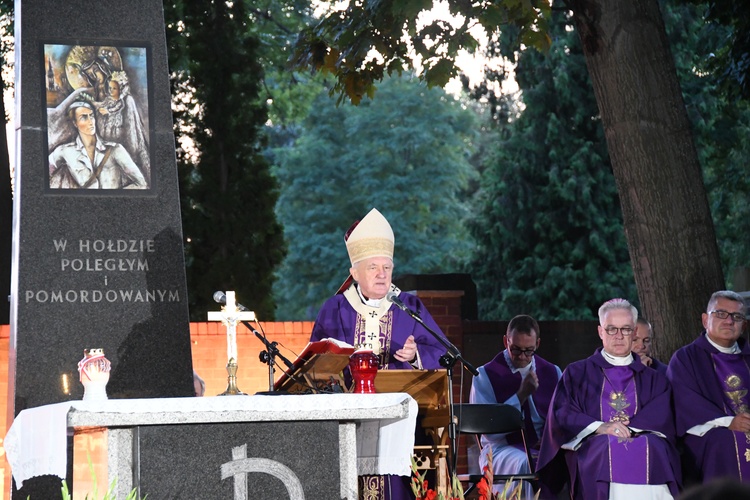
x=229, y=316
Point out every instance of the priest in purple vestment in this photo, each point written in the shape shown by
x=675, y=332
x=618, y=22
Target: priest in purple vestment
x=360, y=314
x=642, y=337
x=711, y=380
x=610, y=425
x=524, y=380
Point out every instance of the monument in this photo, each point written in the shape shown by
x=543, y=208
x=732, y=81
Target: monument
x=97, y=256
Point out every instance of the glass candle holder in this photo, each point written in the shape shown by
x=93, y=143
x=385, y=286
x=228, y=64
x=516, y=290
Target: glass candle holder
x=364, y=366
x=94, y=374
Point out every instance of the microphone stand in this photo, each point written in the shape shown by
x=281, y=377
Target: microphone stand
x=269, y=357
x=447, y=360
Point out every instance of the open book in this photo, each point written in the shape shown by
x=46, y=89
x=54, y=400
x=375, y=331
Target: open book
x=319, y=366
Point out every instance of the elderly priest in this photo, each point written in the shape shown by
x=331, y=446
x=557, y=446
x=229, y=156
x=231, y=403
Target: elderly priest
x=610, y=422
x=360, y=314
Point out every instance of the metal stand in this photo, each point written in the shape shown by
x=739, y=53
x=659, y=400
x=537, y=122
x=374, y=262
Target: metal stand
x=447, y=360
x=269, y=357
x=232, y=389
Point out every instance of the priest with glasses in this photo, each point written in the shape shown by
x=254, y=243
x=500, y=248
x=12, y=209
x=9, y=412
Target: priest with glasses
x=524, y=380
x=712, y=379
x=610, y=424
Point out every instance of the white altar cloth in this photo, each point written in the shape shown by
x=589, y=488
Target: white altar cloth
x=36, y=443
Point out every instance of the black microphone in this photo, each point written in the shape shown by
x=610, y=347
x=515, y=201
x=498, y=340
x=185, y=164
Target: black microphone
x=393, y=297
x=452, y=351
x=221, y=298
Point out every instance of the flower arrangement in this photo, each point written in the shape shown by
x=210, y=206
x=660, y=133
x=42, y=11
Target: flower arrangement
x=422, y=491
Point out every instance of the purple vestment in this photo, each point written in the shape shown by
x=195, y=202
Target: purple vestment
x=698, y=399
x=659, y=366
x=505, y=383
x=337, y=319
x=578, y=402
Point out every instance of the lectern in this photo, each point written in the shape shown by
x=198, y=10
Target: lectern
x=430, y=389
x=319, y=369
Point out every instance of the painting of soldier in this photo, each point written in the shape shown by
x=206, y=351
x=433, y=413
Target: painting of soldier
x=97, y=117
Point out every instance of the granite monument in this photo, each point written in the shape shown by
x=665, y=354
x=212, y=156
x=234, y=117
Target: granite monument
x=97, y=240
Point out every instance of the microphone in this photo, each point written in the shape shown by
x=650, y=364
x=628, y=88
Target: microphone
x=221, y=298
x=452, y=351
x=393, y=298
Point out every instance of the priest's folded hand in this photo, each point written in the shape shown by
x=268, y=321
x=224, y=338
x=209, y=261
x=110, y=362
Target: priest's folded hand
x=618, y=429
x=741, y=422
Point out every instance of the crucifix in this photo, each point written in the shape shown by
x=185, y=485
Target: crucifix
x=229, y=316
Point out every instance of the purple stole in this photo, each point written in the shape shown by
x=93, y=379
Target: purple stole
x=619, y=402
x=505, y=383
x=734, y=379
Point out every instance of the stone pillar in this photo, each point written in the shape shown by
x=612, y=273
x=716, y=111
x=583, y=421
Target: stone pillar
x=98, y=256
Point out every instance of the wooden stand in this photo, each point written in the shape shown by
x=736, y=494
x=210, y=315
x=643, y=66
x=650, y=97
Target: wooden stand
x=429, y=388
x=320, y=366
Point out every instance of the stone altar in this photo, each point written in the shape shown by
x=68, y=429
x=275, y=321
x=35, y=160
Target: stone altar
x=312, y=446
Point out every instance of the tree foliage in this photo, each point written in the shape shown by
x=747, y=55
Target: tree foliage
x=730, y=60
x=276, y=25
x=666, y=215
x=232, y=238
x=341, y=42
x=406, y=154
x=549, y=227
x=720, y=123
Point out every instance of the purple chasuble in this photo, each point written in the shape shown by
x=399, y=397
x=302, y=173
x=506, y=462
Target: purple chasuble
x=700, y=396
x=337, y=319
x=505, y=383
x=619, y=402
x=583, y=397
x=734, y=377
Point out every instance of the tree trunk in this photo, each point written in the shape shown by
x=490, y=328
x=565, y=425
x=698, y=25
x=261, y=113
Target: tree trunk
x=665, y=209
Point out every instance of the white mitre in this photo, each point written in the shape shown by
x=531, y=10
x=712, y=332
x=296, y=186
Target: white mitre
x=373, y=237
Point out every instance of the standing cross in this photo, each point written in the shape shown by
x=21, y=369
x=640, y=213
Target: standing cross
x=229, y=316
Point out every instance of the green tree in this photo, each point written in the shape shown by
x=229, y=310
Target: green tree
x=232, y=238
x=666, y=216
x=720, y=121
x=549, y=228
x=731, y=60
x=406, y=154
x=276, y=25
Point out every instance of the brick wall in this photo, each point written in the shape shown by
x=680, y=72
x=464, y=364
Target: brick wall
x=209, y=345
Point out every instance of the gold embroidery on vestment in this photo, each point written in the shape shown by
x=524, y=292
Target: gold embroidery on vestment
x=380, y=341
x=372, y=488
x=736, y=395
x=619, y=402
